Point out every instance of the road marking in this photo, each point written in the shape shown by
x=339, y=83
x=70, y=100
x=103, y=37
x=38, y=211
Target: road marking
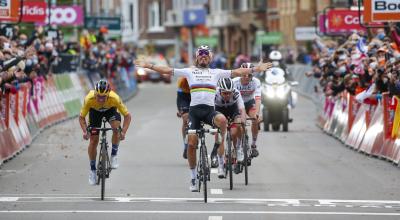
x=8, y=199
x=215, y=218
x=366, y=204
x=195, y=212
x=214, y=170
x=216, y=192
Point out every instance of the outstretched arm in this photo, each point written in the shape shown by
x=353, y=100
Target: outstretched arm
x=261, y=67
x=161, y=69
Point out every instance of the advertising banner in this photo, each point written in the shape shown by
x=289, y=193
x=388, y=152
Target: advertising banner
x=343, y=21
x=9, y=10
x=34, y=11
x=66, y=15
x=381, y=10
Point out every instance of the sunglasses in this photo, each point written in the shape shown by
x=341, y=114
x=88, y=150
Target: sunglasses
x=203, y=53
x=248, y=75
x=226, y=92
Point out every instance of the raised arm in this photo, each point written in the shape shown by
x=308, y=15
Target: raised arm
x=161, y=69
x=261, y=67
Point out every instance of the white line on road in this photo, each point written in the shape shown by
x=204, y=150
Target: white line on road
x=194, y=212
x=216, y=192
x=214, y=170
x=376, y=204
x=215, y=218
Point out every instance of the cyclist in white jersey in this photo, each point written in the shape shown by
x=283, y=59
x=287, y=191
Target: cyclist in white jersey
x=229, y=102
x=203, y=82
x=250, y=89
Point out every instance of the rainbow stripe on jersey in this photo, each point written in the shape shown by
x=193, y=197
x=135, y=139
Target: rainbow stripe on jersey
x=202, y=88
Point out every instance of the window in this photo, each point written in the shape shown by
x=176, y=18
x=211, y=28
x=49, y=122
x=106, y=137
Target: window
x=156, y=16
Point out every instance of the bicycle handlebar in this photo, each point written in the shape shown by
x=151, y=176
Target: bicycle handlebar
x=211, y=131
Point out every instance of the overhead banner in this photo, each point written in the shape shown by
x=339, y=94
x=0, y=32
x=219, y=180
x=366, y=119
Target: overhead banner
x=381, y=10
x=343, y=21
x=66, y=15
x=34, y=12
x=9, y=10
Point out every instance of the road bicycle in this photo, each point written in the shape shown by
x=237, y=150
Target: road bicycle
x=203, y=166
x=104, y=164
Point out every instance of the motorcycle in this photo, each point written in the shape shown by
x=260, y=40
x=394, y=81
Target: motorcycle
x=277, y=99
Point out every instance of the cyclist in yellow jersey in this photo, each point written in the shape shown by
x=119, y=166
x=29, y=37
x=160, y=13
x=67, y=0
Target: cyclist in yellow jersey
x=183, y=104
x=102, y=102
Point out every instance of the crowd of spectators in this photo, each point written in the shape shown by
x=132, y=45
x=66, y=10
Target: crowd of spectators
x=107, y=58
x=364, y=66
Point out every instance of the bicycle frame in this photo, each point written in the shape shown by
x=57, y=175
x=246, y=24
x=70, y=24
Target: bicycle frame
x=203, y=166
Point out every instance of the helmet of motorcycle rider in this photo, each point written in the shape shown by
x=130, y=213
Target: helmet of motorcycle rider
x=275, y=57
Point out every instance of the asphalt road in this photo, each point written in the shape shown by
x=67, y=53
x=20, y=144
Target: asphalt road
x=302, y=174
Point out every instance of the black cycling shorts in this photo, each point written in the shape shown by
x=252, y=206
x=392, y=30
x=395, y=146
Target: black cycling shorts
x=249, y=105
x=201, y=113
x=230, y=112
x=95, y=117
x=183, y=102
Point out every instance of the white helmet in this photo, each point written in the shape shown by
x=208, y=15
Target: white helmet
x=225, y=84
x=275, y=55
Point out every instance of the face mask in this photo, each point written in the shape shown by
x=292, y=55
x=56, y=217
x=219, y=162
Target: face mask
x=275, y=63
x=342, y=57
x=22, y=42
x=95, y=50
x=385, y=80
x=355, y=56
x=342, y=69
x=373, y=65
x=29, y=62
x=380, y=36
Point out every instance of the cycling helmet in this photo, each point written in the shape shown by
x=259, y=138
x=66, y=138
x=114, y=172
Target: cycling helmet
x=203, y=50
x=225, y=84
x=247, y=65
x=275, y=55
x=102, y=87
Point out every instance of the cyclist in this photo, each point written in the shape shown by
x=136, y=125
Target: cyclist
x=183, y=103
x=229, y=102
x=250, y=89
x=202, y=82
x=102, y=102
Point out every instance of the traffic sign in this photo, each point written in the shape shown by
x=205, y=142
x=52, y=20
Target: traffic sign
x=194, y=17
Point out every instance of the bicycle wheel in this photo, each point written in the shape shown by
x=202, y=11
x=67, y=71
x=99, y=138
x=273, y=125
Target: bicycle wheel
x=229, y=160
x=204, y=170
x=103, y=171
x=245, y=146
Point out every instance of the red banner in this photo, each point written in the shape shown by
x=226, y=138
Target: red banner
x=343, y=21
x=34, y=12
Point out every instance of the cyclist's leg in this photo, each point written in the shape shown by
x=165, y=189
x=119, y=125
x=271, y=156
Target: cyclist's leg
x=94, y=121
x=194, y=123
x=252, y=113
x=95, y=118
x=114, y=118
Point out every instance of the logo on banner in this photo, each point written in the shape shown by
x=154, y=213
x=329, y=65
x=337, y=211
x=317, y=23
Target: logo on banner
x=382, y=10
x=343, y=21
x=34, y=12
x=66, y=15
